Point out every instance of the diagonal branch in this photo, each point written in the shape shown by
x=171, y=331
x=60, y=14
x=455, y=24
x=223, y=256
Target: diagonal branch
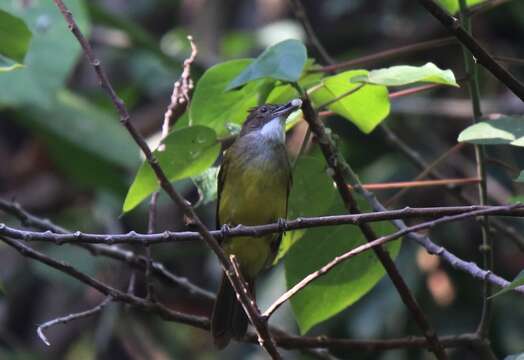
x=152, y=161
x=480, y=54
x=338, y=166
x=70, y=317
x=373, y=244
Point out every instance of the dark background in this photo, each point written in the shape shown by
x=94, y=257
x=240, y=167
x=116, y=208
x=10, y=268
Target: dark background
x=142, y=45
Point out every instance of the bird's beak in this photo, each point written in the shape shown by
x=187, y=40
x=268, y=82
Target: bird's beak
x=286, y=109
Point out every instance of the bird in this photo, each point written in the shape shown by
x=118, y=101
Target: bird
x=254, y=182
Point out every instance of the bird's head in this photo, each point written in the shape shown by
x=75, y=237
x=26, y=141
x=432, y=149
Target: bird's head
x=268, y=120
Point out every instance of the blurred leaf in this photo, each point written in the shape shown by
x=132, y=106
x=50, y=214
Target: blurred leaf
x=405, y=74
x=312, y=193
x=343, y=285
x=207, y=185
x=212, y=106
x=2, y=289
x=150, y=73
x=14, y=37
x=518, y=281
x=74, y=119
x=366, y=108
x=283, y=61
x=188, y=152
x=51, y=56
x=139, y=36
x=504, y=130
x=520, y=178
x=452, y=6
x=515, y=357
x=236, y=44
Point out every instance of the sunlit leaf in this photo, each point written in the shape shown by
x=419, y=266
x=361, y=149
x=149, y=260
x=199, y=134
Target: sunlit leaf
x=366, y=108
x=405, y=74
x=188, y=152
x=214, y=107
x=343, y=285
x=518, y=281
x=452, y=6
x=505, y=130
x=283, y=61
x=14, y=37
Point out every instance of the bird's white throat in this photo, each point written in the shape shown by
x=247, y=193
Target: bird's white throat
x=274, y=130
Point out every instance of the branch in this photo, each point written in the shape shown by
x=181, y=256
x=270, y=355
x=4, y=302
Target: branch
x=387, y=54
x=152, y=161
x=338, y=166
x=115, y=294
x=480, y=54
x=415, y=157
x=70, y=317
x=373, y=244
x=127, y=256
x=260, y=322
x=301, y=15
x=257, y=230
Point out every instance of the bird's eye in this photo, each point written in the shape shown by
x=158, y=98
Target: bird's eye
x=263, y=109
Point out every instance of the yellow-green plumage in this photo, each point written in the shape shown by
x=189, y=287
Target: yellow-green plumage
x=253, y=188
x=254, y=191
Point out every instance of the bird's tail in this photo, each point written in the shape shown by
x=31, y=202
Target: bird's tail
x=228, y=319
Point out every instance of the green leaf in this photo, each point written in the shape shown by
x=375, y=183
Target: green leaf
x=312, y=193
x=14, y=37
x=212, y=106
x=405, y=74
x=506, y=130
x=283, y=61
x=366, y=108
x=188, y=152
x=452, y=6
x=51, y=56
x=344, y=284
x=2, y=289
x=518, y=281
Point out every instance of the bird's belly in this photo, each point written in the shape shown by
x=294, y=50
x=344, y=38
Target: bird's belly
x=253, y=195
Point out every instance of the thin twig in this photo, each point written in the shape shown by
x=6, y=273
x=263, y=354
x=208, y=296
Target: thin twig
x=372, y=244
x=70, y=317
x=425, y=173
x=130, y=258
x=481, y=55
x=419, y=183
x=486, y=248
x=300, y=13
x=388, y=54
x=116, y=295
x=415, y=157
x=181, y=95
